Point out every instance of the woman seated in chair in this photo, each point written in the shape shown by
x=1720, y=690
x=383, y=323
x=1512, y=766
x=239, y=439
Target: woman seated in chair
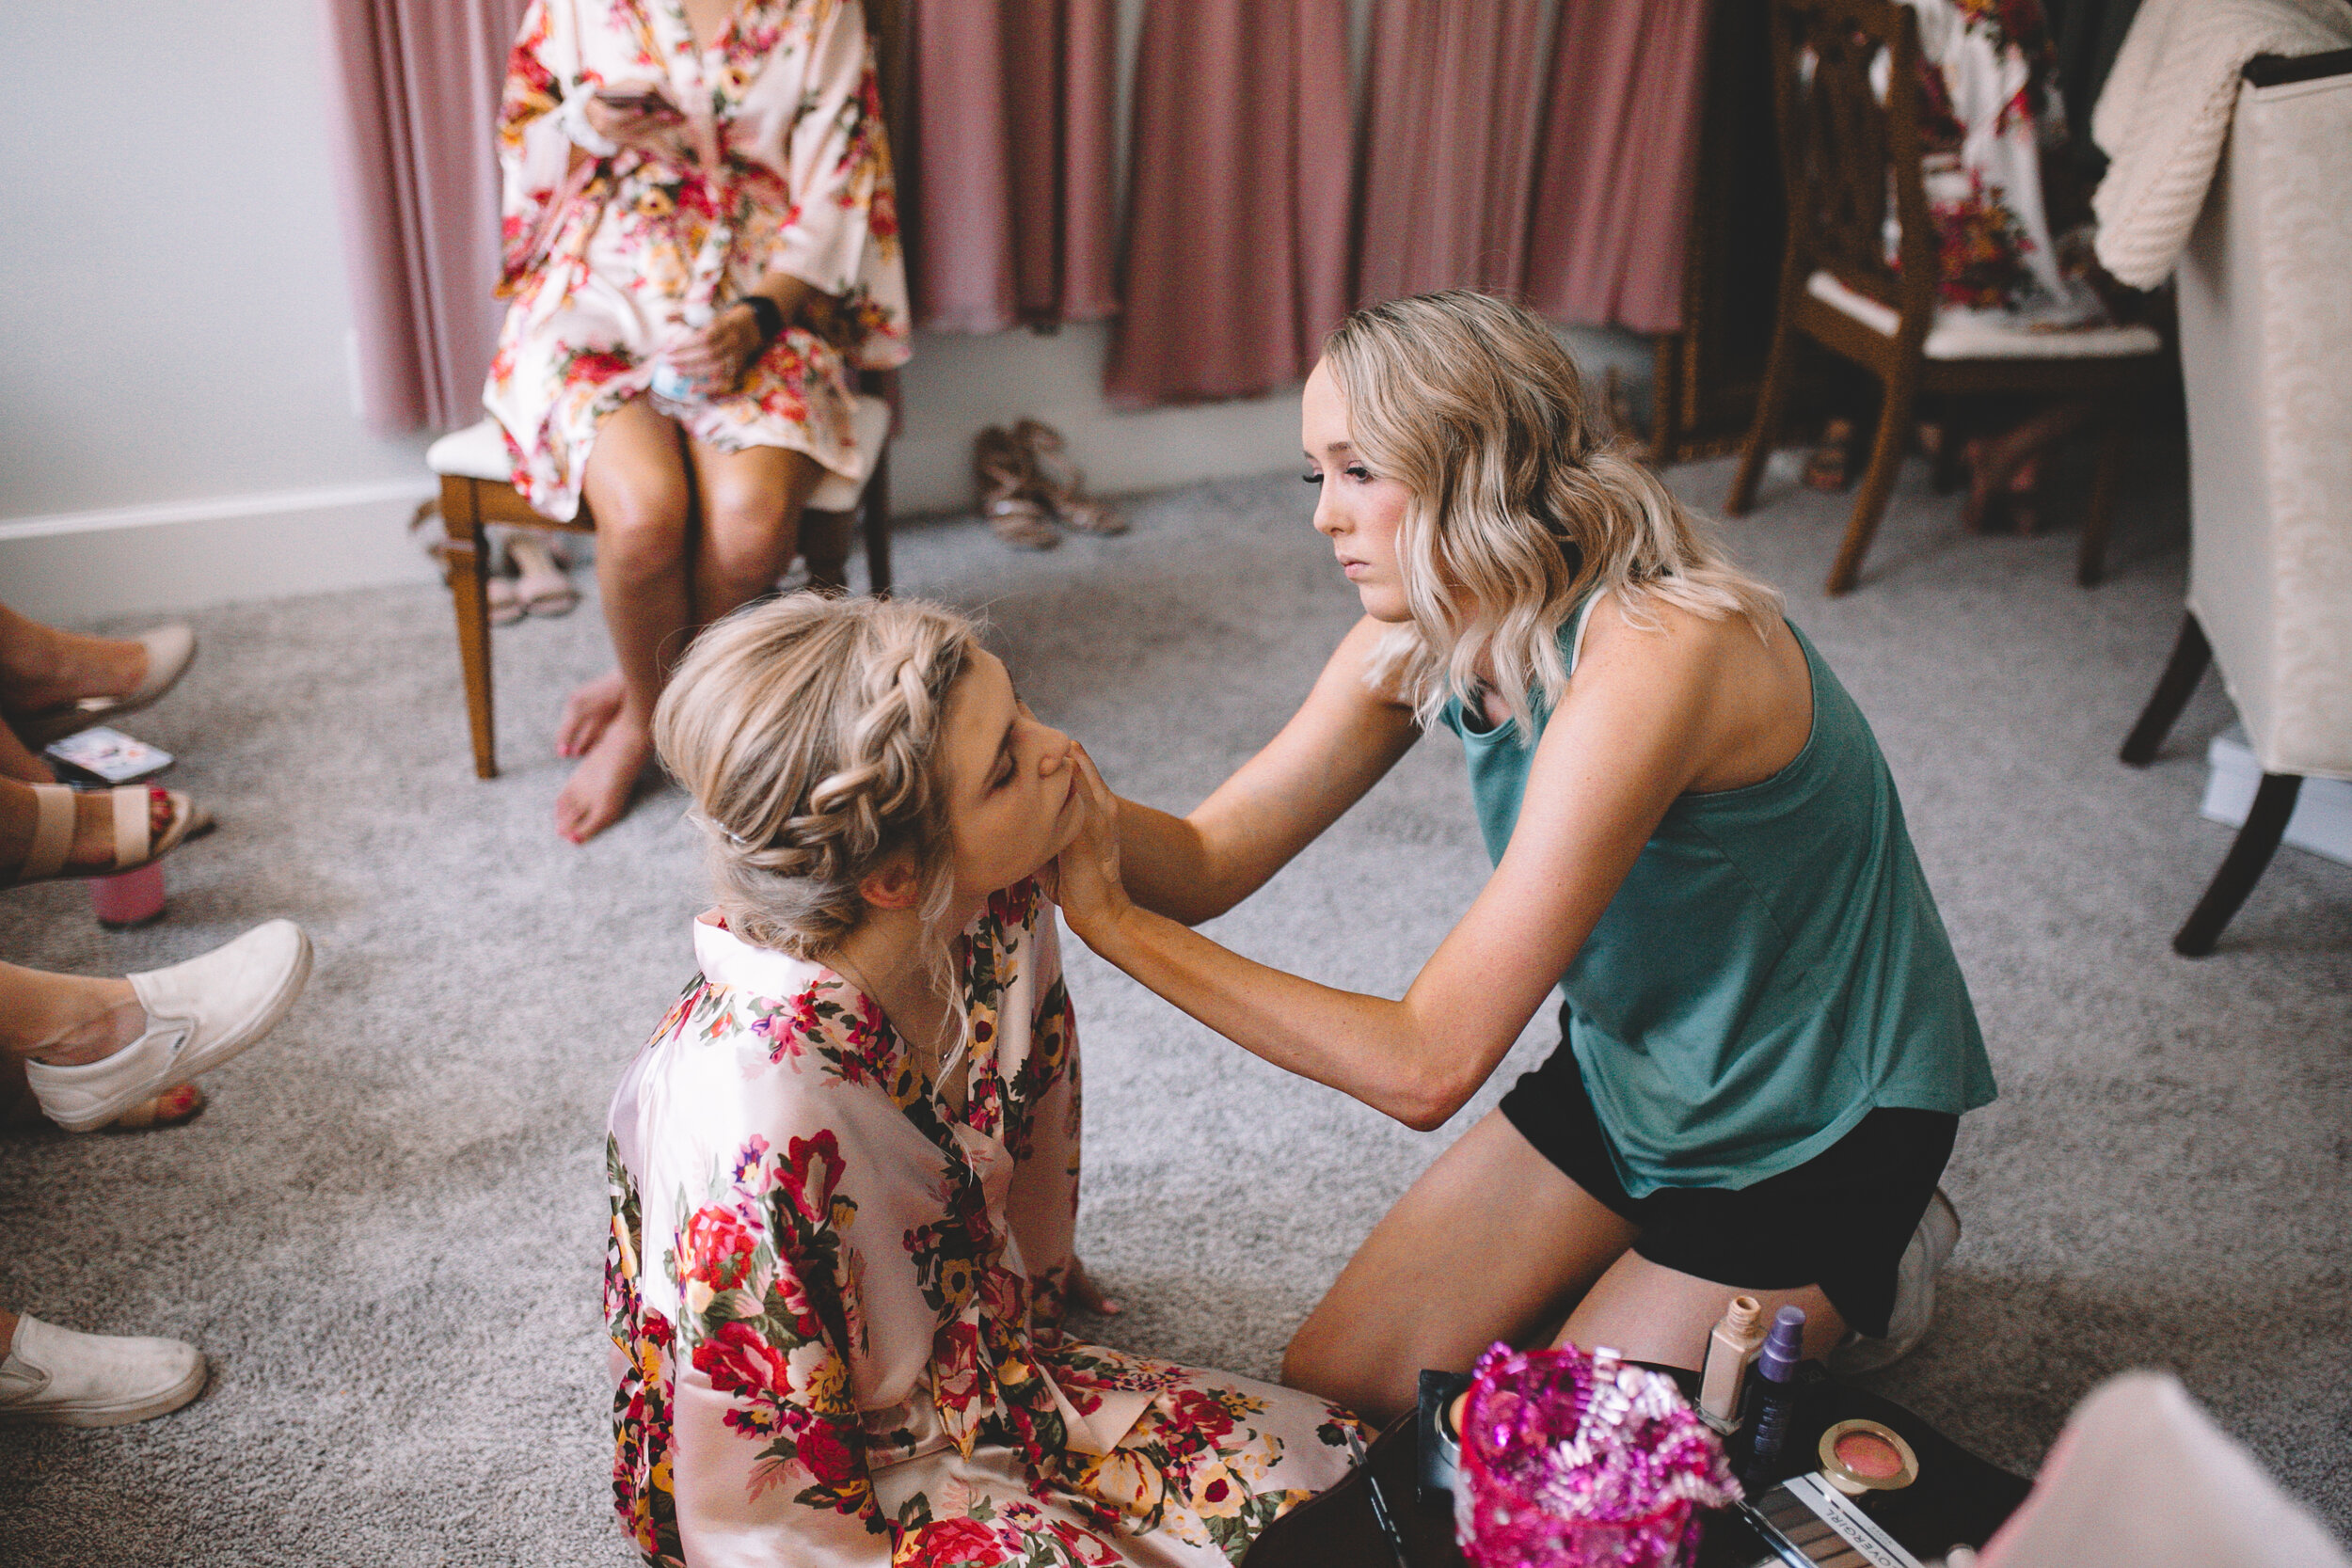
x=702, y=250
x=2013, y=227
x=843, y=1171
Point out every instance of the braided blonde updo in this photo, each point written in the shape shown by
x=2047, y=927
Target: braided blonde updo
x=806, y=729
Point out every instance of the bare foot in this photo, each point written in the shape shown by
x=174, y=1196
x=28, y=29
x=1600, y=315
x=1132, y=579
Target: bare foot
x=600, y=788
x=586, y=713
x=168, y=1109
x=41, y=667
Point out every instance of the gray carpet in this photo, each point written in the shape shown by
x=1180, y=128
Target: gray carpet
x=385, y=1231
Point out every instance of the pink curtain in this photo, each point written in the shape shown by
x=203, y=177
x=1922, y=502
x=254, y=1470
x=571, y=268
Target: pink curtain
x=413, y=91
x=1618, y=163
x=1240, y=182
x=1450, y=141
x=1013, y=197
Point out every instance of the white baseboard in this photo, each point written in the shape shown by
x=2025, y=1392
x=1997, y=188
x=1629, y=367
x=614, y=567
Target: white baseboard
x=2322, y=822
x=185, y=555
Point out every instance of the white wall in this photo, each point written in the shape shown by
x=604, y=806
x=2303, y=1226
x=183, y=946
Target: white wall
x=175, y=419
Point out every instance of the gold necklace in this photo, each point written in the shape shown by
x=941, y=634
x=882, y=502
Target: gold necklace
x=927, y=1055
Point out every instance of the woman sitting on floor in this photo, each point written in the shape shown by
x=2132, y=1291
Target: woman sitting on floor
x=843, y=1171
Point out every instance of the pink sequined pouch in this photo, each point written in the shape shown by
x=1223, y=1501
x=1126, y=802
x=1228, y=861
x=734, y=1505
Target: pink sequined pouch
x=1578, y=1460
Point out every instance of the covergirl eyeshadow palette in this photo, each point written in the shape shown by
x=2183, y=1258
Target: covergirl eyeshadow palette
x=1811, y=1524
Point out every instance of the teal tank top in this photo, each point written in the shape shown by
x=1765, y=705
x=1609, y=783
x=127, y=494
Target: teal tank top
x=1770, y=972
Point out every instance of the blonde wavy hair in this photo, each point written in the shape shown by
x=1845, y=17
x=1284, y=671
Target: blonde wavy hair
x=1522, y=504
x=807, y=729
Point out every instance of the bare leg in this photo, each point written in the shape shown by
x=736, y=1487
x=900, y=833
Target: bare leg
x=636, y=484
x=17, y=760
x=2004, y=468
x=1492, y=1242
x=1647, y=1312
x=41, y=666
x=751, y=502
x=67, y=1019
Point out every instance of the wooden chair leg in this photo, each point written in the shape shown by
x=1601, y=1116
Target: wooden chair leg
x=465, y=549
x=825, y=545
x=2248, y=857
x=2091, y=559
x=1769, y=403
x=874, y=509
x=1949, y=470
x=2186, y=667
x=1878, y=481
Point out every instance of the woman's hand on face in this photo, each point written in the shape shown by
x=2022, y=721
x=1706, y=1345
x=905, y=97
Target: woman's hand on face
x=1085, y=877
x=638, y=116
x=720, y=351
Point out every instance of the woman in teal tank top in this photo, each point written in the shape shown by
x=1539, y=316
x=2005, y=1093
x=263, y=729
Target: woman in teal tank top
x=1766, y=1039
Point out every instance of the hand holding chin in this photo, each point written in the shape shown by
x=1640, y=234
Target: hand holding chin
x=1084, y=880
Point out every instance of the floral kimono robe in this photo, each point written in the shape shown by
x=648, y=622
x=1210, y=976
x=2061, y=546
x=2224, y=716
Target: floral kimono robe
x=604, y=257
x=1990, y=108
x=836, y=1305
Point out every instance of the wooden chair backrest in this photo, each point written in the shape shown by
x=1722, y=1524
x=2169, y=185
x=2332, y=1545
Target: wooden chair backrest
x=1845, y=154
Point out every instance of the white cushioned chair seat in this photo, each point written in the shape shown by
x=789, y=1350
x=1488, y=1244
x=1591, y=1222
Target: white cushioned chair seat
x=479, y=452
x=1969, y=336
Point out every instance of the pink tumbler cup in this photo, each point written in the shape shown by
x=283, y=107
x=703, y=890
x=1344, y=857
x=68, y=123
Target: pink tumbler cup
x=132, y=899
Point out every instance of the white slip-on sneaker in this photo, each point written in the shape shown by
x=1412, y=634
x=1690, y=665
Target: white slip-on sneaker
x=1931, y=1244
x=199, y=1014
x=94, y=1380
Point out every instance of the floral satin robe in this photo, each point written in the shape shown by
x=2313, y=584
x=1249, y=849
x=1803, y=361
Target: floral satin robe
x=1990, y=107
x=836, y=1305
x=786, y=170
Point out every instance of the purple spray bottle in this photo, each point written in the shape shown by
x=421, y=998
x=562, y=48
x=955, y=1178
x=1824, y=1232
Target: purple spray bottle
x=1776, y=1385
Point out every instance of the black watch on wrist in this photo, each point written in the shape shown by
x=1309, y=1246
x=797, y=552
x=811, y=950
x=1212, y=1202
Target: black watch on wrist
x=768, y=313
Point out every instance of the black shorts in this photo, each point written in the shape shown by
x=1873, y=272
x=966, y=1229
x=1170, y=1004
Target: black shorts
x=1840, y=1220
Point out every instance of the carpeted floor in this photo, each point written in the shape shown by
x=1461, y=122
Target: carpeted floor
x=385, y=1231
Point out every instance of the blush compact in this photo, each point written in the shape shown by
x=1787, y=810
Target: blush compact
x=1866, y=1456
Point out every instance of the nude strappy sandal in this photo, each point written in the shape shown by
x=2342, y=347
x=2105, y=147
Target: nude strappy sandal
x=1058, y=480
x=1009, y=491
x=542, y=586
x=134, y=845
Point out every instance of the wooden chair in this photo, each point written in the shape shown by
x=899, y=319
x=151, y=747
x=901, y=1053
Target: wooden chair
x=475, y=493
x=1843, y=153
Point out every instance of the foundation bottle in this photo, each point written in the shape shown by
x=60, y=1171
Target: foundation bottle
x=1729, y=1349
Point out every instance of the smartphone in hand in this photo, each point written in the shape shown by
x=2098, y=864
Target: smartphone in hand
x=650, y=102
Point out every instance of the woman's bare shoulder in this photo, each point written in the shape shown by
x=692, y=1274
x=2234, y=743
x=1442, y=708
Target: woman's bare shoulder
x=1737, y=699
x=1628, y=633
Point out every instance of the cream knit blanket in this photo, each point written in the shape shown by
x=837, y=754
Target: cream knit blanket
x=2166, y=111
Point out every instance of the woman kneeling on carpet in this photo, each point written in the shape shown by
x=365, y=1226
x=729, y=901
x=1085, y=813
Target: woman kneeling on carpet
x=843, y=1171
x=1767, y=1039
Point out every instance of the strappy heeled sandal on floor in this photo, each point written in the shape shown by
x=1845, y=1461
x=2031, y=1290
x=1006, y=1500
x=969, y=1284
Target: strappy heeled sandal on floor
x=137, y=844
x=1009, y=491
x=169, y=650
x=1060, y=481
x=541, y=584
